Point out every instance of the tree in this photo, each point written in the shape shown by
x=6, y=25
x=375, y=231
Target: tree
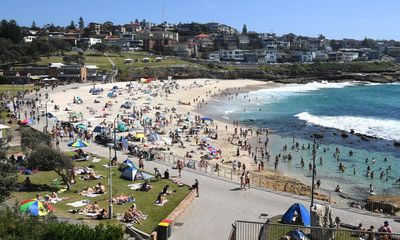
x=71, y=26
x=100, y=47
x=115, y=49
x=368, y=42
x=46, y=158
x=8, y=176
x=244, y=30
x=30, y=138
x=60, y=45
x=81, y=23
x=34, y=26
x=10, y=30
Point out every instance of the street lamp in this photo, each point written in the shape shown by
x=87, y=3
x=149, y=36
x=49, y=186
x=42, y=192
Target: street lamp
x=115, y=137
x=47, y=121
x=314, y=152
x=110, y=206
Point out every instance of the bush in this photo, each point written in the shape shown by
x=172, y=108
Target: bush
x=13, y=226
x=31, y=138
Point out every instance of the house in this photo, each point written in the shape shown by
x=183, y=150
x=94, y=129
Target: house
x=89, y=42
x=157, y=40
x=29, y=39
x=95, y=27
x=181, y=50
x=236, y=55
x=335, y=57
x=321, y=56
x=393, y=51
x=70, y=73
x=350, y=56
x=214, y=56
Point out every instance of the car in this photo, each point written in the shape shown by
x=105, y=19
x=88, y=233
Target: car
x=103, y=139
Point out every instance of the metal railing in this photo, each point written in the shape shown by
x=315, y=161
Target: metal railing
x=279, y=186
x=247, y=230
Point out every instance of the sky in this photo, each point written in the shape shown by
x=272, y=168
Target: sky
x=378, y=19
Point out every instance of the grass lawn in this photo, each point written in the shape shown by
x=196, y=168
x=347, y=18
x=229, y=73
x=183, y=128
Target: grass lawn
x=15, y=88
x=91, y=58
x=144, y=200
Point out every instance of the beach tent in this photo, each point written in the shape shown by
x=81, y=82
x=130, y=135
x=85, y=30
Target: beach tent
x=206, y=119
x=131, y=173
x=303, y=215
x=111, y=94
x=115, y=87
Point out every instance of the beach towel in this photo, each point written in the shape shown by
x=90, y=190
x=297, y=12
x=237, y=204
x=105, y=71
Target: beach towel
x=161, y=204
x=135, y=186
x=92, y=195
x=79, y=203
x=96, y=160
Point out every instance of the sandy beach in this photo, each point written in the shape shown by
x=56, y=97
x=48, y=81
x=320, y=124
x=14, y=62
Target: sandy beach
x=187, y=98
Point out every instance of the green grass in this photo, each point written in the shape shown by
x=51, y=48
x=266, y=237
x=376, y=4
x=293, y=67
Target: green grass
x=144, y=200
x=14, y=89
x=92, y=58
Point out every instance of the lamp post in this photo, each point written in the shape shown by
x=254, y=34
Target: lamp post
x=115, y=137
x=47, y=121
x=110, y=206
x=314, y=152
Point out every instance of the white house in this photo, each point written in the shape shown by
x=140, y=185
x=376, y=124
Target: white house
x=29, y=39
x=350, y=56
x=232, y=55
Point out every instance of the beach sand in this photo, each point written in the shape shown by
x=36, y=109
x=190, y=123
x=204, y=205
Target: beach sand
x=203, y=90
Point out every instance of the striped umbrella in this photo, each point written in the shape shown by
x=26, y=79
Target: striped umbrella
x=34, y=207
x=78, y=144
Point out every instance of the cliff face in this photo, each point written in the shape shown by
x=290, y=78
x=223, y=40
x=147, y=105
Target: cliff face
x=372, y=72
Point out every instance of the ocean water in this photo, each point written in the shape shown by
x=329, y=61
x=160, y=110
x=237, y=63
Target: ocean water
x=300, y=110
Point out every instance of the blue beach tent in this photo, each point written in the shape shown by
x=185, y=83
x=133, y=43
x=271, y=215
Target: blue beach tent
x=131, y=173
x=302, y=214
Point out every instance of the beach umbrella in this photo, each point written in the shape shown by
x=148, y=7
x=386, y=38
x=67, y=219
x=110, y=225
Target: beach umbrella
x=34, y=207
x=207, y=119
x=78, y=144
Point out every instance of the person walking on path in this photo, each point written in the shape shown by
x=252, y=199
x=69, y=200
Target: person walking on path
x=247, y=179
x=242, y=184
x=196, y=186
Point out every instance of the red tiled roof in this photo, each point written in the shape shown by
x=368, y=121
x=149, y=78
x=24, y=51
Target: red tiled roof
x=202, y=35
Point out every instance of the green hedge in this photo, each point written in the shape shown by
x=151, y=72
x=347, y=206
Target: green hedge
x=13, y=226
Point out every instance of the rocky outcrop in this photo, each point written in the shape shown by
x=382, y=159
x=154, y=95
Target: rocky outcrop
x=365, y=72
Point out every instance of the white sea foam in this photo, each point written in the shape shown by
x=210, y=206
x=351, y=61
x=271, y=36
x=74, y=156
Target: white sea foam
x=381, y=128
x=229, y=111
x=312, y=86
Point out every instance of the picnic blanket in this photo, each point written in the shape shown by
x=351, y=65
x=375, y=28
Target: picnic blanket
x=92, y=195
x=161, y=204
x=96, y=160
x=79, y=203
x=135, y=186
